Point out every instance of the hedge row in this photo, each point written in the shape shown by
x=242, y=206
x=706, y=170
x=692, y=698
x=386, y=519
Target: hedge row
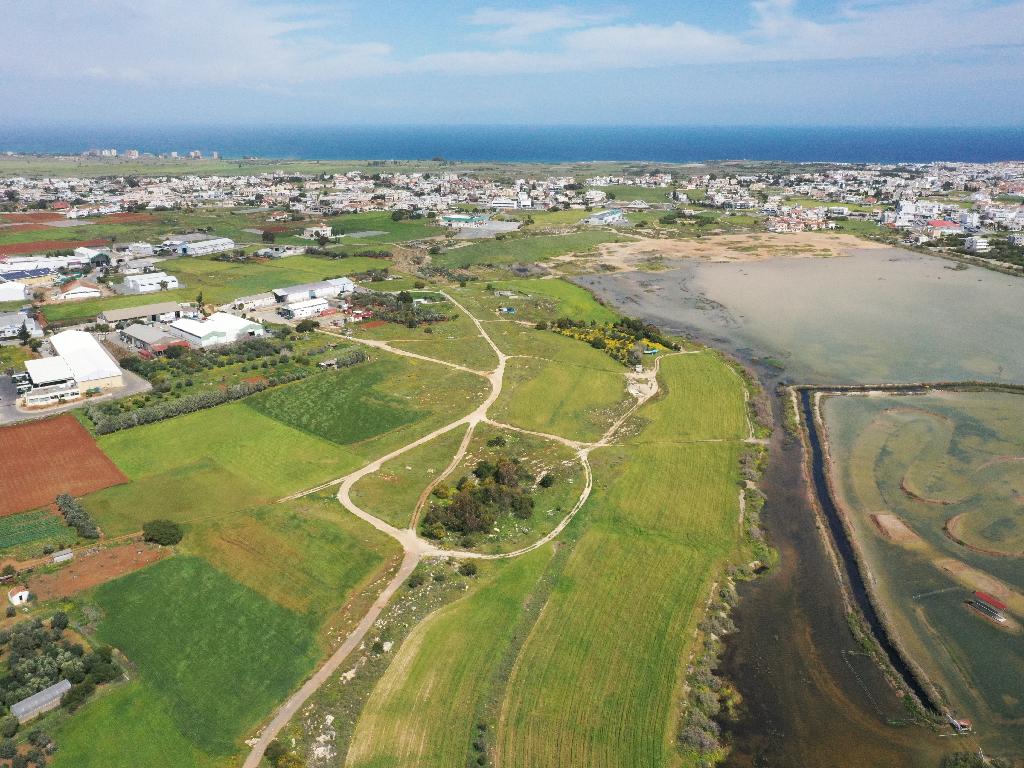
x=76, y=516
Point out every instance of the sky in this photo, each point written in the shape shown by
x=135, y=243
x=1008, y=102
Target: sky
x=658, y=62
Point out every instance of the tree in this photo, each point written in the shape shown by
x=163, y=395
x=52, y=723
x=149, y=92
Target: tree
x=267, y=236
x=23, y=334
x=59, y=620
x=35, y=344
x=307, y=325
x=162, y=532
x=163, y=285
x=8, y=726
x=9, y=570
x=275, y=751
x=199, y=299
x=8, y=749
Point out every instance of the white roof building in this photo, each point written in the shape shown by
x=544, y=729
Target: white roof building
x=89, y=362
x=12, y=291
x=48, y=370
x=218, y=328
x=150, y=282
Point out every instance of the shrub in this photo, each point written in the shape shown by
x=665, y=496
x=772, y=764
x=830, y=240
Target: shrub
x=547, y=481
x=415, y=580
x=8, y=749
x=76, y=516
x=468, y=569
x=8, y=726
x=162, y=532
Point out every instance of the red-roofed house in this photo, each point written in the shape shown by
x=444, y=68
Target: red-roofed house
x=941, y=228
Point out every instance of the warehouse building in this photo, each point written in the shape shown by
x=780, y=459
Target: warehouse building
x=164, y=311
x=151, y=339
x=197, y=244
x=218, y=328
x=324, y=289
x=150, y=282
x=299, y=309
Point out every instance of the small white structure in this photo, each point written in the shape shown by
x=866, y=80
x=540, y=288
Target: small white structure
x=301, y=309
x=150, y=282
x=19, y=595
x=256, y=301
x=218, y=328
x=63, y=556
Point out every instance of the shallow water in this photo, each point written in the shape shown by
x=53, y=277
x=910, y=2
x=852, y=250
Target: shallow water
x=885, y=315
x=879, y=315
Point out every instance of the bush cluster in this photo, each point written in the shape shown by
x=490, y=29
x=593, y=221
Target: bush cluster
x=162, y=532
x=76, y=516
x=497, y=487
x=623, y=340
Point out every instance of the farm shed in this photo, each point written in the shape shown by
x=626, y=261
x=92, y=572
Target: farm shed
x=164, y=310
x=44, y=701
x=18, y=595
x=63, y=555
x=300, y=309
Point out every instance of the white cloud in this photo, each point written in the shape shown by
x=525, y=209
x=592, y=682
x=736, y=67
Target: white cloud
x=258, y=45
x=516, y=25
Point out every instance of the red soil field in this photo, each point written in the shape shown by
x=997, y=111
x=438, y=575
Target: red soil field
x=373, y=324
x=41, y=246
x=94, y=566
x=40, y=459
x=12, y=218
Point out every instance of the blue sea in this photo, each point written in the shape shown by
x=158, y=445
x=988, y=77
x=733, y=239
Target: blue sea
x=540, y=143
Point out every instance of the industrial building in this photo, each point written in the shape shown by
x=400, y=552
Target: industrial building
x=299, y=309
x=324, y=289
x=218, y=328
x=150, y=282
x=164, y=311
x=197, y=244
x=150, y=338
x=12, y=291
x=80, y=365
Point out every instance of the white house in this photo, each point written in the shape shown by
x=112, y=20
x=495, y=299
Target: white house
x=300, y=309
x=218, y=328
x=150, y=282
x=11, y=322
x=323, y=230
x=18, y=596
x=977, y=245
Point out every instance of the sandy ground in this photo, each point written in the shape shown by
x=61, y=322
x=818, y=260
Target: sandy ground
x=95, y=566
x=974, y=579
x=758, y=246
x=894, y=529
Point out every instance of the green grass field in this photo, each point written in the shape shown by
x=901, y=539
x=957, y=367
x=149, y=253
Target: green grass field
x=535, y=300
x=515, y=250
x=555, y=396
x=126, y=727
x=626, y=193
x=424, y=710
x=396, y=396
x=14, y=356
x=391, y=493
x=455, y=341
x=307, y=555
x=219, y=654
x=597, y=679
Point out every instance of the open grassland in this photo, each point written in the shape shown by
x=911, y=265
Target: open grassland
x=626, y=193
x=217, y=653
x=391, y=493
x=456, y=341
x=535, y=300
x=523, y=249
x=126, y=727
x=394, y=396
x=933, y=487
x=14, y=355
x=305, y=555
x=575, y=401
x=424, y=710
x=220, y=282
x=353, y=224
x=41, y=459
x=690, y=380
x=210, y=462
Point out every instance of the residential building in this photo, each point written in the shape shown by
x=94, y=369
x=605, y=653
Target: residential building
x=218, y=328
x=18, y=595
x=150, y=282
x=11, y=323
x=301, y=309
x=503, y=203
x=322, y=230
x=977, y=245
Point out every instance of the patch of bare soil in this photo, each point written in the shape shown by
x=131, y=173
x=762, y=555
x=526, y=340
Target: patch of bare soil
x=894, y=529
x=95, y=566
